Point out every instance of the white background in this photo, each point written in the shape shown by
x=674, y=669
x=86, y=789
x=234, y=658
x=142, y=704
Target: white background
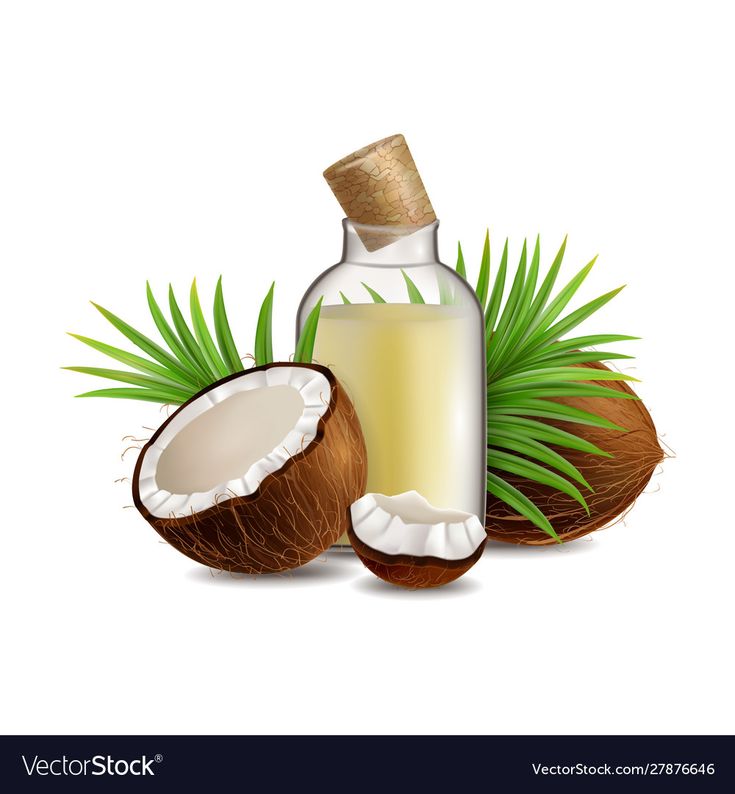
x=152, y=140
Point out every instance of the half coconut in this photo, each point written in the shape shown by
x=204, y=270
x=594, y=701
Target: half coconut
x=406, y=541
x=256, y=473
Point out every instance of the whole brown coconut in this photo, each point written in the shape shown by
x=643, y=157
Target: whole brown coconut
x=296, y=512
x=617, y=482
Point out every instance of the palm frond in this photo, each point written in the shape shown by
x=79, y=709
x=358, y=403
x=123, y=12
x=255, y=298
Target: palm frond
x=547, y=409
x=169, y=336
x=511, y=440
x=498, y=339
x=187, y=337
x=377, y=298
x=483, y=280
x=530, y=363
x=195, y=360
x=146, y=345
x=168, y=397
x=414, y=295
x=264, y=330
x=204, y=337
x=305, y=344
x=523, y=427
x=496, y=296
x=226, y=343
x=133, y=360
x=509, y=494
x=461, y=269
x=123, y=376
x=504, y=461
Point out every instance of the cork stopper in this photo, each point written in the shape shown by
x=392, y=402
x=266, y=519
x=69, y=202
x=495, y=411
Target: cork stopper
x=380, y=186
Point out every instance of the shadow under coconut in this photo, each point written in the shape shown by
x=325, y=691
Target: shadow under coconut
x=371, y=585
x=332, y=566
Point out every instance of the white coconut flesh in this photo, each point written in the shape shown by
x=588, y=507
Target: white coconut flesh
x=228, y=440
x=409, y=524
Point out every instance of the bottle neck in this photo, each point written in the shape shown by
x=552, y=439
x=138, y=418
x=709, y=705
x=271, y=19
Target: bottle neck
x=389, y=246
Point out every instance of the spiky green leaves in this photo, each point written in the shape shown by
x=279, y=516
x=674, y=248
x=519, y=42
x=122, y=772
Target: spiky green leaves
x=377, y=298
x=216, y=364
x=222, y=330
x=528, y=365
x=264, y=330
x=264, y=333
x=483, y=280
x=195, y=360
x=305, y=344
x=414, y=295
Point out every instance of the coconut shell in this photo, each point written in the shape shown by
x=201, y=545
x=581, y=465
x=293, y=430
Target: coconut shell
x=617, y=482
x=410, y=571
x=297, y=512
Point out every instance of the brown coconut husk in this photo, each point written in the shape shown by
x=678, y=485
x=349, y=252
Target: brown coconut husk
x=617, y=482
x=411, y=571
x=297, y=512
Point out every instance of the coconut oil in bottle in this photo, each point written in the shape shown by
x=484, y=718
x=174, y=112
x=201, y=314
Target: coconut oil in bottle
x=404, y=334
x=406, y=368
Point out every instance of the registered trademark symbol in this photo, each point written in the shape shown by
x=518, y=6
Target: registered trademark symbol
x=158, y=758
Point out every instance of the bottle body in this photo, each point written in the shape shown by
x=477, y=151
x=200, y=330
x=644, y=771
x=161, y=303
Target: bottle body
x=405, y=336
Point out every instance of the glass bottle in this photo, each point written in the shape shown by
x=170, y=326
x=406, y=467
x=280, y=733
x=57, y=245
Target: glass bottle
x=405, y=336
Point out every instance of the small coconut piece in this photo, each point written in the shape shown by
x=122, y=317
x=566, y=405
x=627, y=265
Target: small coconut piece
x=407, y=541
x=256, y=473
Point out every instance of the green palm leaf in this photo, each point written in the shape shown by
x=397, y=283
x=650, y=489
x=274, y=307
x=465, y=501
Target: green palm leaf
x=461, y=269
x=556, y=307
x=137, y=362
x=531, y=279
x=305, y=344
x=198, y=361
x=413, y=291
x=560, y=374
x=509, y=319
x=555, y=389
x=568, y=360
x=446, y=291
x=169, y=336
x=531, y=448
x=530, y=362
x=206, y=344
x=264, y=330
x=503, y=490
x=224, y=334
x=148, y=395
x=496, y=296
x=187, y=338
x=147, y=345
x=546, y=288
x=546, y=409
x=373, y=294
x=146, y=381
x=505, y=461
x=523, y=427
x=483, y=280
x=580, y=342
x=539, y=340
x=519, y=322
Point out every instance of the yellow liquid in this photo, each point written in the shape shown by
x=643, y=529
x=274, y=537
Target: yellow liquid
x=414, y=373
